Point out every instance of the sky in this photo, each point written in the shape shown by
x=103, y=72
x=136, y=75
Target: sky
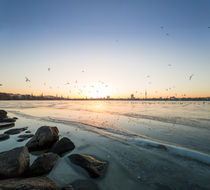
x=96, y=48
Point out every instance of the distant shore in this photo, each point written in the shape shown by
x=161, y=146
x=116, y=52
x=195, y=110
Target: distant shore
x=9, y=96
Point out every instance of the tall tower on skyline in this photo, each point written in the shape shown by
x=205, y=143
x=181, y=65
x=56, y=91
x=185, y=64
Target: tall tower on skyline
x=145, y=93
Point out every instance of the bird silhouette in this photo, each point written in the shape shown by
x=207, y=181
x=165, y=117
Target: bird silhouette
x=49, y=69
x=191, y=76
x=162, y=27
x=27, y=80
x=167, y=34
x=67, y=83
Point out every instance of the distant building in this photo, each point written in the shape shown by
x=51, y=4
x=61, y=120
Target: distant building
x=132, y=97
x=108, y=97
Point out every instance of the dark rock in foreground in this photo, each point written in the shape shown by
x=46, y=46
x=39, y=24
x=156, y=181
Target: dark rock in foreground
x=62, y=146
x=15, y=131
x=6, y=125
x=24, y=137
x=8, y=120
x=14, y=162
x=44, y=138
x=43, y=164
x=3, y=114
x=94, y=167
x=4, y=137
x=36, y=183
x=28, y=131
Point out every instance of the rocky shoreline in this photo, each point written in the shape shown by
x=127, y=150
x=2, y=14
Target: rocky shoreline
x=17, y=173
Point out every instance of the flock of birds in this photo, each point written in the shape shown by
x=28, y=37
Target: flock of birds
x=27, y=80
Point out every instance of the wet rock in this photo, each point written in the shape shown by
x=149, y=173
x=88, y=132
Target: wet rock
x=44, y=138
x=4, y=137
x=62, y=146
x=20, y=140
x=28, y=131
x=43, y=164
x=35, y=183
x=14, y=162
x=162, y=147
x=15, y=131
x=26, y=136
x=94, y=167
x=8, y=120
x=3, y=114
x=6, y=125
x=84, y=185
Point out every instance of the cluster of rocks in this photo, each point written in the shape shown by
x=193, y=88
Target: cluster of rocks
x=6, y=121
x=17, y=173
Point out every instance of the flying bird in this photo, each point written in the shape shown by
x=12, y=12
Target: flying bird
x=191, y=76
x=169, y=65
x=167, y=34
x=67, y=83
x=162, y=27
x=1, y=84
x=49, y=69
x=27, y=80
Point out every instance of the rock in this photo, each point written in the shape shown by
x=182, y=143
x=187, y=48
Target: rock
x=3, y=114
x=94, y=167
x=15, y=131
x=44, y=138
x=21, y=140
x=26, y=136
x=43, y=164
x=84, y=185
x=14, y=162
x=6, y=125
x=28, y=131
x=35, y=183
x=8, y=120
x=62, y=146
x=4, y=137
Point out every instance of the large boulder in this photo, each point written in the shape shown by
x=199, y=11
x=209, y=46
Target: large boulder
x=94, y=167
x=3, y=114
x=44, y=138
x=35, y=183
x=43, y=164
x=14, y=162
x=4, y=137
x=15, y=131
x=62, y=146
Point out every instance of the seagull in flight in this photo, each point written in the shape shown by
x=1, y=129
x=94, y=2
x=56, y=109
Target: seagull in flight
x=67, y=83
x=191, y=76
x=27, y=80
x=49, y=69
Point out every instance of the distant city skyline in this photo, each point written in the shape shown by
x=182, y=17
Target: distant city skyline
x=91, y=48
